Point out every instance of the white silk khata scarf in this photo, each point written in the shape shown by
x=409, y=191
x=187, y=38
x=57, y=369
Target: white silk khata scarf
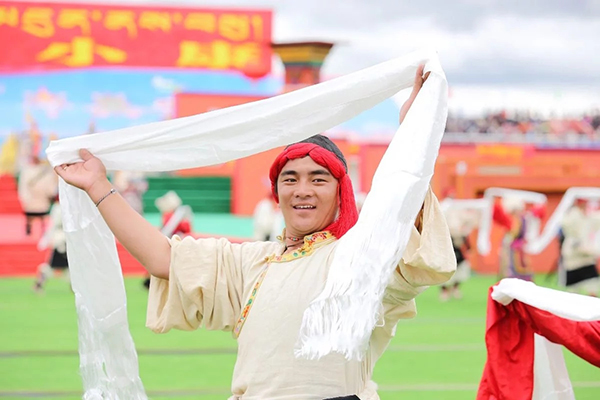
x=342, y=318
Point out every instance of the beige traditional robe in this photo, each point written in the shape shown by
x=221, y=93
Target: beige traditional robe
x=577, y=250
x=38, y=184
x=212, y=281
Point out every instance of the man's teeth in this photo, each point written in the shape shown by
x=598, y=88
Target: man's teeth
x=305, y=207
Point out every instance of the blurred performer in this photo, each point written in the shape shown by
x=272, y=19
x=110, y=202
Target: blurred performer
x=9, y=155
x=55, y=239
x=560, y=263
x=578, y=253
x=167, y=205
x=263, y=218
x=461, y=223
x=132, y=186
x=511, y=214
x=38, y=186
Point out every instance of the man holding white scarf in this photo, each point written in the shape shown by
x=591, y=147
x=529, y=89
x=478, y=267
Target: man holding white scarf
x=260, y=290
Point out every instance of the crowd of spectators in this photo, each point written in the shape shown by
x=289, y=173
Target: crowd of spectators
x=587, y=125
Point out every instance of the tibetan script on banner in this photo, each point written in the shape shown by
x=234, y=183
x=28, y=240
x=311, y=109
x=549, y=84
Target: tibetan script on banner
x=42, y=36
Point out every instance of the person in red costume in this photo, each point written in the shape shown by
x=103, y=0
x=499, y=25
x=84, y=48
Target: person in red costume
x=511, y=213
x=167, y=205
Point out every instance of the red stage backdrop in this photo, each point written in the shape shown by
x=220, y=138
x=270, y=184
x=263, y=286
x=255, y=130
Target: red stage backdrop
x=46, y=36
x=187, y=104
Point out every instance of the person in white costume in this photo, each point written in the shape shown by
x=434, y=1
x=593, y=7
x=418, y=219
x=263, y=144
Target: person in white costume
x=461, y=223
x=259, y=290
x=578, y=253
x=55, y=239
x=37, y=188
x=263, y=218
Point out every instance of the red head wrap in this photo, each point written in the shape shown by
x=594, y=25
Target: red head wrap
x=348, y=214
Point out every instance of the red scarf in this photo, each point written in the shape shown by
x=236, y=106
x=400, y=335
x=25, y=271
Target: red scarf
x=508, y=372
x=348, y=214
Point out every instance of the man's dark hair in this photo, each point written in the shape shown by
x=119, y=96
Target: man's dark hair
x=326, y=143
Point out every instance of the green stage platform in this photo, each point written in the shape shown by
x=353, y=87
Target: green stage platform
x=215, y=224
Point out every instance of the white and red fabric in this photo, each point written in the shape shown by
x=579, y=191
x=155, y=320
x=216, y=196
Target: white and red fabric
x=526, y=327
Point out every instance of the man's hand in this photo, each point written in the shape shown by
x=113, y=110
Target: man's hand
x=419, y=80
x=84, y=175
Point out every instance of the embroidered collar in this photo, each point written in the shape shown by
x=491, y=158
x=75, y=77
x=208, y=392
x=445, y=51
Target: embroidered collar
x=311, y=242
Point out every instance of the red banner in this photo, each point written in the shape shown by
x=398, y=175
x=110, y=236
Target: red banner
x=51, y=35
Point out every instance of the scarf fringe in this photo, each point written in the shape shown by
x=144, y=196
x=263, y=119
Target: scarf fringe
x=327, y=328
x=342, y=318
x=99, y=371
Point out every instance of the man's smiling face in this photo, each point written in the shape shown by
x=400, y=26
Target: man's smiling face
x=308, y=196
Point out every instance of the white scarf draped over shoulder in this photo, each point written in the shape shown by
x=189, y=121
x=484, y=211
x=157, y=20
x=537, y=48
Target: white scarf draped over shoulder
x=342, y=317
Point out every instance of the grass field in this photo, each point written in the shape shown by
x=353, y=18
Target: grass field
x=438, y=355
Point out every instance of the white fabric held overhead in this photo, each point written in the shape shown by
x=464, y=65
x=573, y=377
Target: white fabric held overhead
x=552, y=227
x=343, y=316
x=536, y=241
x=366, y=256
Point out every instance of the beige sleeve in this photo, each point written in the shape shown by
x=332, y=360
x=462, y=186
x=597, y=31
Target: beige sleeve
x=428, y=258
x=204, y=287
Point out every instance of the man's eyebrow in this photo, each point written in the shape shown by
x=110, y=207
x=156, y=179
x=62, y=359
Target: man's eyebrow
x=288, y=172
x=320, y=172
x=291, y=172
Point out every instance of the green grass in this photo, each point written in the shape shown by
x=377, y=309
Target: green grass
x=438, y=355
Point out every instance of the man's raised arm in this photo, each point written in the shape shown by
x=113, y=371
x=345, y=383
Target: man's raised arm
x=144, y=241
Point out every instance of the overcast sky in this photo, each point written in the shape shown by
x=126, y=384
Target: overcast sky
x=552, y=44
x=549, y=42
